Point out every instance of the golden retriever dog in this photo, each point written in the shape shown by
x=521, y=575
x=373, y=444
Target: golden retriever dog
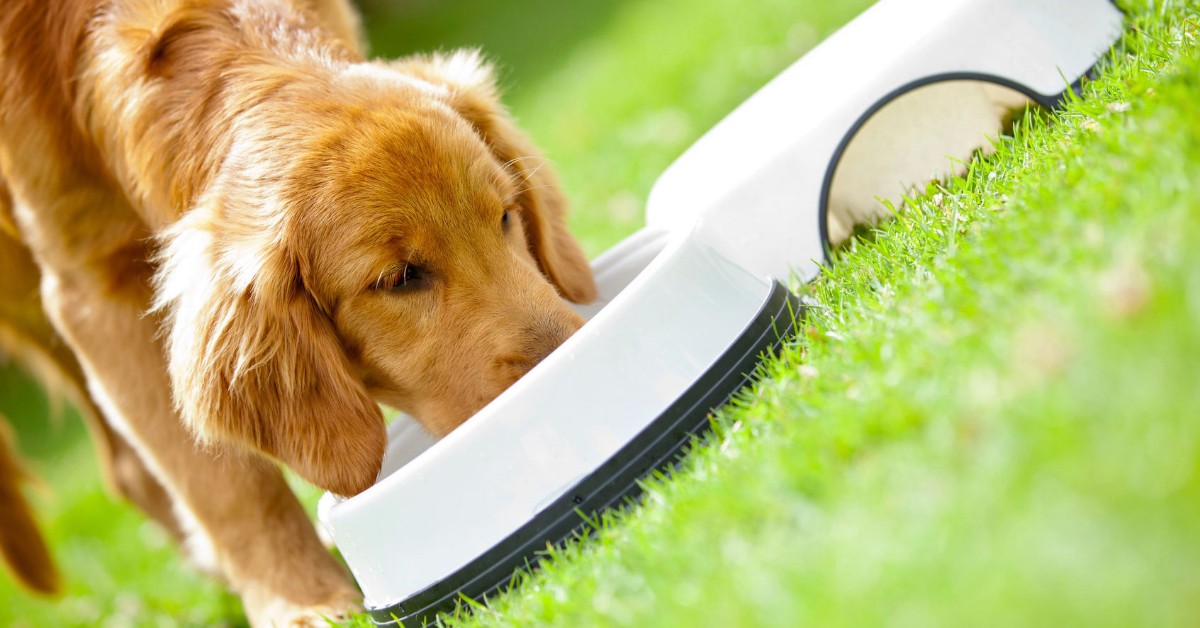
x=226, y=237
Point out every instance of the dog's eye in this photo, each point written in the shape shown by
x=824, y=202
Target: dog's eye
x=504, y=220
x=408, y=278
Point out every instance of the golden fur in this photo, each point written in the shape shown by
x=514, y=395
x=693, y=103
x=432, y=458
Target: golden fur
x=220, y=224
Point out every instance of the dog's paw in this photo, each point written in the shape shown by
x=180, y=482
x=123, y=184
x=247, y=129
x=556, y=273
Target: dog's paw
x=280, y=613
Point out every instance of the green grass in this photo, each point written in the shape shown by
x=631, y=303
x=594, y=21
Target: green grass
x=991, y=419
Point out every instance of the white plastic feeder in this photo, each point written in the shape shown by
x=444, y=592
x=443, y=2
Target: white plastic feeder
x=902, y=95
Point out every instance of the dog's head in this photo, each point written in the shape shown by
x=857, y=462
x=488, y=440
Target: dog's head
x=393, y=238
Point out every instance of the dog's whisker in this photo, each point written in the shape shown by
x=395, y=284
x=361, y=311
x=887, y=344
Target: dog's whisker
x=514, y=160
x=523, y=173
x=535, y=170
x=532, y=188
x=512, y=178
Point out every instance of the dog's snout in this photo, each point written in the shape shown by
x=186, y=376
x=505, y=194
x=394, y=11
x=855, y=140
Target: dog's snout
x=545, y=336
x=535, y=342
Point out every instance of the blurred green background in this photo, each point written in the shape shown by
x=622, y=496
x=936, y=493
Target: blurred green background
x=612, y=91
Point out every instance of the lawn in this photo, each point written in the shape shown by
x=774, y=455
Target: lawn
x=991, y=418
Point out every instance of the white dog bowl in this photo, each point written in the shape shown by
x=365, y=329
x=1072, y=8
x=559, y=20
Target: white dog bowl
x=903, y=94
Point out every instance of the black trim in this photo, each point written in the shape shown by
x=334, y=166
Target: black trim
x=1049, y=102
x=658, y=446
x=831, y=168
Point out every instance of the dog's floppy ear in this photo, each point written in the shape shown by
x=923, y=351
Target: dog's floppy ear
x=470, y=89
x=544, y=211
x=254, y=361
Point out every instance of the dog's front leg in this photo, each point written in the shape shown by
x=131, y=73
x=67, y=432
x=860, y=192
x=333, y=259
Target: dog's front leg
x=238, y=516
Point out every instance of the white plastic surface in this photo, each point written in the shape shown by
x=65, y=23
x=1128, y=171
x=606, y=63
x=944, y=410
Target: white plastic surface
x=757, y=173
x=739, y=208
